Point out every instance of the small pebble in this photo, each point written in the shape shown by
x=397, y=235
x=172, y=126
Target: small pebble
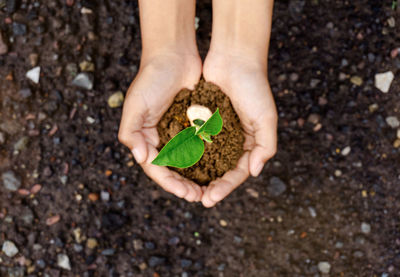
x=25, y=93
x=18, y=29
x=276, y=186
x=196, y=22
x=63, y=261
x=356, y=80
x=365, y=228
x=93, y=197
x=33, y=59
x=53, y=220
x=34, y=74
x=116, y=100
x=338, y=173
x=91, y=243
x=173, y=241
x=10, y=181
x=83, y=80
x=312, y=211
x=383, y=81
x=393, y=121
x=324, y=267
x=156, y=261
x=108, y=252
x=373, y=107
x=253, y=193
x=86, y=66
x=346, y=151
x=223, y=223
x=391, y=22
x=396, y=143
x=9, y=248
x=90, y=120
x=105, y=196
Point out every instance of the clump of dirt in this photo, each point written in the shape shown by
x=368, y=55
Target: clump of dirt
x=227, y=147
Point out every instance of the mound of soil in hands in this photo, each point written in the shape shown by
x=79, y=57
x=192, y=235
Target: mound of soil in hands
x=227, y=147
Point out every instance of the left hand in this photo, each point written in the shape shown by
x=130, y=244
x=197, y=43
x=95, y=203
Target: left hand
x=245, y=83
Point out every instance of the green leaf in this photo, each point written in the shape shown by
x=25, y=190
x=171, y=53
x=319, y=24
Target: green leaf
x=198, y=122
x=212, y=126
x=183, y=150
x=205, y=136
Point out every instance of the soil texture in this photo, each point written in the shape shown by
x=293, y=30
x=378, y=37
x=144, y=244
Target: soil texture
x=70, y=193
x=227, y=147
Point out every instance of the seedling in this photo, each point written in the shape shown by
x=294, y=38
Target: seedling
x=187, y=147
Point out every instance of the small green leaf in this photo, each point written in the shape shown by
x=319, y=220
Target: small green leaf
x=183, y=150
x=198, y=122
x=212, y=126
x=205, y=136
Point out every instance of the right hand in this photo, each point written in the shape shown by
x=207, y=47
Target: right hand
x=149, y=96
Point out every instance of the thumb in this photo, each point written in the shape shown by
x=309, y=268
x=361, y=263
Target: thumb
x=265, y=143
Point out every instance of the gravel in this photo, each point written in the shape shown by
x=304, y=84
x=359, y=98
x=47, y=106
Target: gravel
x=156, y=261
x=9, y=248
x=324, y=267
x=365, y=228
x=63, y=261
x=34, y=74
x=393, y=121
x=83, y=80
x=383, y=81
x=276, y=186
x=116, y=100
x=10, y=181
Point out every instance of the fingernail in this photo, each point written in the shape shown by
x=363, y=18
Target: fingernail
x=258, y=169
x=139, y=157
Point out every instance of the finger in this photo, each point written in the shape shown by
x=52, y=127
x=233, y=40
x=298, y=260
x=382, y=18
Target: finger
x=130, y=128
x=169, y=180
x=192, y=194
x=222, y=187
x=265, y=144
x=151, y=136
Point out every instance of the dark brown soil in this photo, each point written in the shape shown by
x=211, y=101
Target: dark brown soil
x=223, y=153
x=323, y=197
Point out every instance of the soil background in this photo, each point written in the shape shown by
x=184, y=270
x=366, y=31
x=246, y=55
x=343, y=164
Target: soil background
x=227, y=147
x=311, y=204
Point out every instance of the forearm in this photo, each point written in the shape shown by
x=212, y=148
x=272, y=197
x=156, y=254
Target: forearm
x=242, y=28
x=167, y=26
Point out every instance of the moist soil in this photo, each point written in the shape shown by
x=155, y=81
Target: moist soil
x=227, y=147
x=311, y=204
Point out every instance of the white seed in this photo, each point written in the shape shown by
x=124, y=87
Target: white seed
x=198, y=112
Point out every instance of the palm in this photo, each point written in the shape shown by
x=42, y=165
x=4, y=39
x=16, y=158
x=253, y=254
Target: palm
x=248, y=89
x=148, y=98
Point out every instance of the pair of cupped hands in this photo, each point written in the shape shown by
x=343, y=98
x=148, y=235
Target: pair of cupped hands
x=158, y=81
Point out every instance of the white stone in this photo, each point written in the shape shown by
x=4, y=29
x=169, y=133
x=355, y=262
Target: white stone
x=90, y=120
x=198, y=112
x=346, y=151
x=393, y=121
x=365, y=228
x=196, y=22
x=312, y=211
x=383, y=81
x=9, y=248
x=34, y=74
x=63, y=261
x=324, y=267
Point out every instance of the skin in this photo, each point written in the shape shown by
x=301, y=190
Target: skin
x=236, y=61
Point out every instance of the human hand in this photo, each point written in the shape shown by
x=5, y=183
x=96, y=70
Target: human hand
x=149, y=96
x=245, y=83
